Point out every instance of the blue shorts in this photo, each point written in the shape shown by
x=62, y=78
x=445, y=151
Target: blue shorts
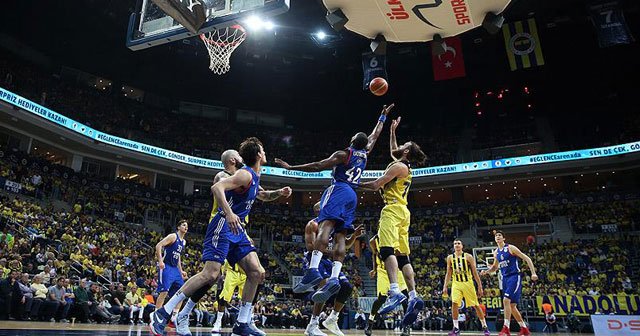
x=169, y=277
x=220, y=243
x=338, y=203
x=511, y=287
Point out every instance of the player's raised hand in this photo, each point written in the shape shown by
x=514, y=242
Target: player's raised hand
x=386, y=109
x=359, y=231
x=395, y=123
x=282, y=164
x=372, y=273
x=286, y=191
x=234, y=222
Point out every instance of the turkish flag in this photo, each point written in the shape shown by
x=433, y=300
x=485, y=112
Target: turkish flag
x=450, y=64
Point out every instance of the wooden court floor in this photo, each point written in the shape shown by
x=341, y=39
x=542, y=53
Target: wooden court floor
x=15, y=328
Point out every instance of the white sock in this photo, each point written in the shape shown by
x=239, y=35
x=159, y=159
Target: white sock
x=412, y=294
x=522, y=324
x=484, y=322
x=372, y=317
x=245, y=312
x=337, y=267
x=188, y=307
x=506, y=325
x=173, y=302
x=394, y=288
x=315, y=319
x=455, y=324
x=219, y=317
x=316, y=256
x=334, y=314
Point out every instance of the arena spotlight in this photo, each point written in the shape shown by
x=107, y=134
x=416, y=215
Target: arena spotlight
x=269, y=25
x=492, y=23
x=255, y=23
x=336, y=19
x=321, y=35
x=438, y=46
x=379, y=45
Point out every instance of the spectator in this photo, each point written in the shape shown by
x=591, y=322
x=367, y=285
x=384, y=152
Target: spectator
x=57, y=294
x=133, y=302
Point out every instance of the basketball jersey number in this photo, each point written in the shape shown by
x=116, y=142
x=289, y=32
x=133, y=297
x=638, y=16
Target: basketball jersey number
x=353, y=174
x=373, y=63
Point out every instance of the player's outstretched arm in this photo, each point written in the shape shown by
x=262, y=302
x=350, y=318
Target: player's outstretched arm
x=393, y=143
x=272, y=195
x=516, y=252
x=474, y=272
x=373, y=137
x=330, y=162
x=494, y=266
x=396, y=170
x=447, y=277
x=242, y=178
x=359, y=232
x=166, y=241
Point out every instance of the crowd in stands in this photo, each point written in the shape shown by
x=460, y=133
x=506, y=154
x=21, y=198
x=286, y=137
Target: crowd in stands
x=92, y=255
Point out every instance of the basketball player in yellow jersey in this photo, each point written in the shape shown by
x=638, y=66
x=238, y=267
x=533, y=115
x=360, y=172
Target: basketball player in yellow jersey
x=393, y=230
x=383, y=285
x=232, y=161
x=234, y=277
x=461, y=267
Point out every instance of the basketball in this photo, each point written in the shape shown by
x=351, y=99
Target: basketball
x=378, y=86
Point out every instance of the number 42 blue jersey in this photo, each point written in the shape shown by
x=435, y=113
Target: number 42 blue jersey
x=351, y=171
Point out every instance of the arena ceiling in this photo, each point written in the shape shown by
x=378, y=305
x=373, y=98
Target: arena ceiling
x=291, y=73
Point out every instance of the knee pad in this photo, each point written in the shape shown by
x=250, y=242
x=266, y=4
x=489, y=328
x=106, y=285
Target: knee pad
x=402, y=260
x=345, y=292
x=385, y=252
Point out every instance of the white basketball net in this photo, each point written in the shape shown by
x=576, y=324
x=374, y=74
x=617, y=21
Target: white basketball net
x=221, y=43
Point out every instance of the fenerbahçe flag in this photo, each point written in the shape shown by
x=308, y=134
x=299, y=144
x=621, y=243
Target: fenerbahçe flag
x=450, y=64
x=523, y=44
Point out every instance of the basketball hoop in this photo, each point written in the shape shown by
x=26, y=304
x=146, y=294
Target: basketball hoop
x=221, y=43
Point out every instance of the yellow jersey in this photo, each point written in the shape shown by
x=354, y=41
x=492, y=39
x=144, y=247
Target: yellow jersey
x=461, y=270
x=395, y=192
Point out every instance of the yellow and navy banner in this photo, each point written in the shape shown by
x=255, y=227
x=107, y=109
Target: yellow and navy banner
x=585, y=305
x=523, y=44
x=492, y=303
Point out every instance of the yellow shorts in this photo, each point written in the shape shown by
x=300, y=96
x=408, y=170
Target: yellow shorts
x=232, y=280
x=464, y=290
x=383, y=285
x=394, y=227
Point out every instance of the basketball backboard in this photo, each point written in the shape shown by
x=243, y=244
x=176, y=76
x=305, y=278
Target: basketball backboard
x=150, y=26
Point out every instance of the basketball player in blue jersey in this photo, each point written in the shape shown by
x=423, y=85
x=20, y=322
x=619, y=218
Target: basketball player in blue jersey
x=232, y=162
x=227, y=239
x=506, y=258
x=168, y=251
x=331, y=322
x=337, y=205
